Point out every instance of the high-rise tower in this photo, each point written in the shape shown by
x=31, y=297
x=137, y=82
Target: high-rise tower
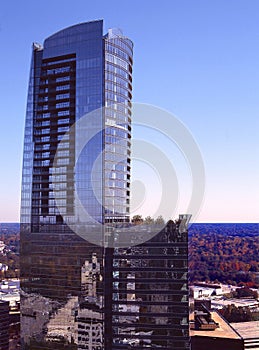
x=80, y=287
x=76, y=72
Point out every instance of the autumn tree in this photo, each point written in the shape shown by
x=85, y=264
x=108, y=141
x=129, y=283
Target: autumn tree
x=137, y=219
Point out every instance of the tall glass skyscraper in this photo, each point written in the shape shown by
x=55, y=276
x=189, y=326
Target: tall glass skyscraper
x=77, y=71
x=80, y=287
x=80, y=88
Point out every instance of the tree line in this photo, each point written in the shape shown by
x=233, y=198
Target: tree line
x=217, y=252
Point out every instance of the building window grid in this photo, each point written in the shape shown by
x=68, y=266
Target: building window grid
x=54, y=83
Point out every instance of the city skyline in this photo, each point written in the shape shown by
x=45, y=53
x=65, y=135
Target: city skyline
x=209, y=57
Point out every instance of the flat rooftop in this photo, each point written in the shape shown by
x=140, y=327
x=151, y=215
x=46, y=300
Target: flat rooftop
x=237, y=302
x=247, y=329
x=224, y=330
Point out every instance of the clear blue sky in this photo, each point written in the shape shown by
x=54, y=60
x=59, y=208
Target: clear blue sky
x=197, y=59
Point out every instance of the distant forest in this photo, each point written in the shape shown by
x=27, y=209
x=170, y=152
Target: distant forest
x=10, y=235
x=226, y=253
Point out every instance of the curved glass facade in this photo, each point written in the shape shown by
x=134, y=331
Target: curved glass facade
x=118, y=94
x=77, y=72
